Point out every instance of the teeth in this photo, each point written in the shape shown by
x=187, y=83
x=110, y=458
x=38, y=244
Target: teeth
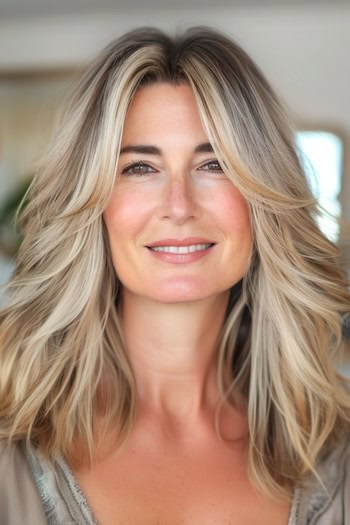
x=181, y=249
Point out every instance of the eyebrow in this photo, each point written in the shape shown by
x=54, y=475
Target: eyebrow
x=205, y=147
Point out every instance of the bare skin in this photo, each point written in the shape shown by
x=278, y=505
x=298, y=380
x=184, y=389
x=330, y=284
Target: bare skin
x=167, y=481
x=175, y=469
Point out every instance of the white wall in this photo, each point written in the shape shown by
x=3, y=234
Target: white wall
x=303, y=50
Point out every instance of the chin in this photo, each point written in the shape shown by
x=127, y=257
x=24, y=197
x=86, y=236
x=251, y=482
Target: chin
x=180, y=295
x=172, y=297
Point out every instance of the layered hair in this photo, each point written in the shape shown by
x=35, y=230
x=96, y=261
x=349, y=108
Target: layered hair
x=63, y=359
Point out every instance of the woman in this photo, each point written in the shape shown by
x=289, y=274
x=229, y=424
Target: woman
x=169, y=342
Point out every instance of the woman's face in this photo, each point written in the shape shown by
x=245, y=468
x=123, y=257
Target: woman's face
x=173, y=192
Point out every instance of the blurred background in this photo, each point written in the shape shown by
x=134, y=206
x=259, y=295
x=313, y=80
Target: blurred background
x=301, y=45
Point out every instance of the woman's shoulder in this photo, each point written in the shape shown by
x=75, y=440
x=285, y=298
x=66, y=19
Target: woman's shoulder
x=19, y=498
x=328, y=503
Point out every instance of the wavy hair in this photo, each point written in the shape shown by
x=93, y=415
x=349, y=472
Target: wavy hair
x=63, y=360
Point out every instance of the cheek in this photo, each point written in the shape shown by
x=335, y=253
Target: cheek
x=233, y=212
x=124, y=215
x=234, y=219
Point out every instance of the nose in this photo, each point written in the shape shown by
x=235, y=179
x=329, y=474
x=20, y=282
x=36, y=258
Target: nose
x=179, y=201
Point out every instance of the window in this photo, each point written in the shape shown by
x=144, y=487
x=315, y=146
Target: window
x=321, y=154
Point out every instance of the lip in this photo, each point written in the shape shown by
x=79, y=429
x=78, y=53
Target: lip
x=180, y=258
x=181, y=242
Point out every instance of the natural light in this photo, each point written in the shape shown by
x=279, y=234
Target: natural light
x=322, y=159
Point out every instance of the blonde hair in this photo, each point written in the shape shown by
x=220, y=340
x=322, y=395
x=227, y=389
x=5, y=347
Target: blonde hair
x=63, y=362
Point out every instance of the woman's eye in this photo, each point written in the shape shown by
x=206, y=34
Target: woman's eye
x=212, y=163
x=140, y=168
x=136, y=168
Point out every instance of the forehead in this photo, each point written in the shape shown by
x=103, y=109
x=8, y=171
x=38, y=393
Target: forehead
x=162, y=110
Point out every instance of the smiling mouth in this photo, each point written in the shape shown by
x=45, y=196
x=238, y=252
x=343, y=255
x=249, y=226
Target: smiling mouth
x=181, y=249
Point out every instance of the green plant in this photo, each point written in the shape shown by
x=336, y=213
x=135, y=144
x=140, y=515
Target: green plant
x=10, y=236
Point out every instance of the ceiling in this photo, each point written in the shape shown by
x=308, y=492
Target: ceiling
x=34, y=8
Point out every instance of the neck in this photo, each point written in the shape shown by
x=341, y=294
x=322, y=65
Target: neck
x=172, y=350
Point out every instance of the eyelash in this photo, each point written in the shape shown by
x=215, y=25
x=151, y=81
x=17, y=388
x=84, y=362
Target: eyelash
x=139, y=163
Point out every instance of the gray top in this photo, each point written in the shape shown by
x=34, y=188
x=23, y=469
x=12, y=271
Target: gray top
x=63, y=503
